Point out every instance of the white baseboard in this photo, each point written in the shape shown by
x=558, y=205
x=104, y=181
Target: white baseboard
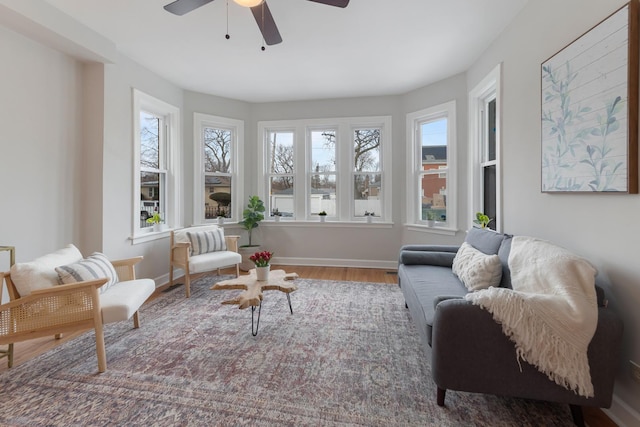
x=322, y=262
x=622, y=414
x=337, y=262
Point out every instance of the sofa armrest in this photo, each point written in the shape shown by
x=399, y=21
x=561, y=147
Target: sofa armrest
x=180, y=254
x=126, y=268
x=471, y=353
x=428, y=255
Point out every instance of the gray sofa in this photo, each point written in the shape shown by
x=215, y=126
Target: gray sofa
x=467, y=348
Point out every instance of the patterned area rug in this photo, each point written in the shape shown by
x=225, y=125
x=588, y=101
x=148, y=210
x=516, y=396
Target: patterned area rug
x=349, y=355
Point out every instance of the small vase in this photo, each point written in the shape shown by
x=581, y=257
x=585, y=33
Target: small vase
x=262, y=273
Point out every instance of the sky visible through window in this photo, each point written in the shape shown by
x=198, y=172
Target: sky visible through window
x=434, y=133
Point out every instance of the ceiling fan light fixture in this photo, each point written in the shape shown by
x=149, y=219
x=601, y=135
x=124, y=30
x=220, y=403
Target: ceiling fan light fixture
x=248, y=3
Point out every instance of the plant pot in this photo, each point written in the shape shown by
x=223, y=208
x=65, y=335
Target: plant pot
x=220, y=220
x=369, y=219
x=431, y=223
x=262, y=273
x=157, y=227
x=246, y=252
x=323, y=218
x=276, y=218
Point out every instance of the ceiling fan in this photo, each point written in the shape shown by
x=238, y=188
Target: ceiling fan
x=260, y=11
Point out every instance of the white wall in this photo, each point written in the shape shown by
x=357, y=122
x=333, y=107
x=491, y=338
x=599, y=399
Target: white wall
x=601, y=227
x=40, y=147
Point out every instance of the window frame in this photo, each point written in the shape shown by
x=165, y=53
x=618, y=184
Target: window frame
x=170, y=116
x=414, y=159
x=200, y=121
x=344, y=159
x=487, y=89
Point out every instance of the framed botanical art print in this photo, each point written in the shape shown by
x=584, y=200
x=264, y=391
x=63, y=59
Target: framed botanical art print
x=590, y=109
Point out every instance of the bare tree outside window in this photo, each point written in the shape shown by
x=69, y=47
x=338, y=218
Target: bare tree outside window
x=217, y=150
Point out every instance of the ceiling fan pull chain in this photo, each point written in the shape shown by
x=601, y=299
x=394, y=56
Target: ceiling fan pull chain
x=227, y=36
x=262, y=29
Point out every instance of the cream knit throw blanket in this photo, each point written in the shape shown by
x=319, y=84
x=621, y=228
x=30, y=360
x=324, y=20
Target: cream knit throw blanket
x=551, y=314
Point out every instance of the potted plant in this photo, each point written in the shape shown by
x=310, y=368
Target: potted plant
x=276, y=214
x=482, y=220
x=322, y=215
x=369, y=215
x=156, y=220
x=261, y=261
x=252, y=215
x=431, y=218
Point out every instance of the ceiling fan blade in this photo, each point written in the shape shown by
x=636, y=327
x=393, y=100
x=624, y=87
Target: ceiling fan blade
x=337, y=3
x=267, y=25
x=180, y=7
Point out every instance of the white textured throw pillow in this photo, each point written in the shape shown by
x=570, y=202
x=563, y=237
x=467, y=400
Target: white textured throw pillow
x=476, y=269
x=97, y=266
x=40, y=273
x=203, y=242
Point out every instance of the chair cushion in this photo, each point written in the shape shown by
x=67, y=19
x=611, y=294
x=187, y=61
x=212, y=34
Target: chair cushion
x=203, y=242
x=212, y=260
x=476, y=269
x=96, y=266
x=40, y=273
x=123, y=299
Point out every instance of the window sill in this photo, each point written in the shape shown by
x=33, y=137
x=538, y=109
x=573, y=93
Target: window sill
x=434, y=230
x=150, y=236
x=336, y=224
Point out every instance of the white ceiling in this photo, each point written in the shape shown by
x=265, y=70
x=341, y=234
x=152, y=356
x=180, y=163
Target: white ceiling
x=372, y=47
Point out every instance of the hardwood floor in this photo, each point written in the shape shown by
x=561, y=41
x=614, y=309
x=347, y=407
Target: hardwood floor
x=24, y=351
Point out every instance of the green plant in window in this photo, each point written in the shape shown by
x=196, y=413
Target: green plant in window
x=482, y=220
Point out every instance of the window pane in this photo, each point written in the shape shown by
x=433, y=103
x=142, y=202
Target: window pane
x=281, y=152
x=491, y=129
x=367, y=194
x=433, y=139
x=217, y=150
x=323, y=194
x=217, y=200
x=281, y=199
x=489, y=192
x=151, y=196
x=433, y=188
x=149, y=140
x=323, y=151
x=366, y=146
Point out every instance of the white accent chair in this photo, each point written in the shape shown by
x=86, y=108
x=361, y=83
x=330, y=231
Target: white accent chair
x=182, y=254
x=40, y=307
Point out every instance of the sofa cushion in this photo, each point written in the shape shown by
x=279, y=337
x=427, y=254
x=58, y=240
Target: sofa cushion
x=485, y=240
x=421, y=287
x=124, y=299
x=476, y=269
x=40, y=273
x=203, y=242
x=96, y=266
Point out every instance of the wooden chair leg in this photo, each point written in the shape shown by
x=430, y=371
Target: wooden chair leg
x=170, y=275
x=187, y=284
x=10, y=356
x=136, y=320
x=100, y=350
x=441, y=393
x=237, y=270
x=58, y=336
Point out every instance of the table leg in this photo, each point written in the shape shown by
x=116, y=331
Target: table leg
x=257, y=324
x=289, y=299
